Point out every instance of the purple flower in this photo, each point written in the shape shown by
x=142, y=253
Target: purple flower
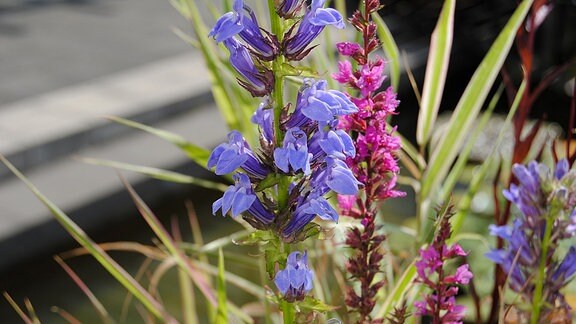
x=227, y=157
x=256, y=82
x=336, y=176
x=319, y=104
x=264, y=118
x=229, y=24
x=308, y=207
x=294, y=152
x=329, y=141
x=241, y=198
x=567, y=268
x=237, y=23
x=310, y=27
x=289, y=8
x=295, y=281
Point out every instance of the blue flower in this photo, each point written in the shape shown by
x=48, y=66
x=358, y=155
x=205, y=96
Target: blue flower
x=288, y=8
x=296, y=280
x=237, y=23
x=241, y=198
x=237, y=198
x=264, y=118
x=319, y=104
x=258, y=83
x=567, y=268
x=329, y=141
x=294, y=152
x=227, y=157
x=310, y=27
x=308, y=207
x=229, y=24
x=335, y=175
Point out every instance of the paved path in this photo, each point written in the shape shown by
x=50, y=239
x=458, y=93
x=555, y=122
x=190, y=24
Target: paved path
x=46, y=45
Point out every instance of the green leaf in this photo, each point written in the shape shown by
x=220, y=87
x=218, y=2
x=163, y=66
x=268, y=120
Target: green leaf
x=123, y=277
x=271, y=180
x=196, y=153
x=397, y=293
x=469, y=106
x=461, y=162
x=390, y=48
x=155, y=173
x=482, y=171
x=221, y=310
x=436, y=69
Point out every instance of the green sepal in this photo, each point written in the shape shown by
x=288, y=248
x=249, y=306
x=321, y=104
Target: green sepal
x=271, y=180
x=312, y=304
x=257, y=237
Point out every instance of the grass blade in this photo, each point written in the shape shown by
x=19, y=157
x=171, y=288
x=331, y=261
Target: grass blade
x=100, y=309
x=170, y=245
x=17, y=309
x=196, y=153
x=479, y=176
x=156, y=173
x=462, y=160
x=123, y=277
x=221, y=311
x=470, y=103
x=436, y=70
x=390, y=48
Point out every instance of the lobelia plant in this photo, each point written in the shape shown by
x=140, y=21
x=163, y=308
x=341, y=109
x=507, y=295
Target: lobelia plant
x=281, y=187
x=531, y=259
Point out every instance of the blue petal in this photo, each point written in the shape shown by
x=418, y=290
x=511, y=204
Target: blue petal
x=318, y=110
x=327, y=16
x=229, y=161
x=242, y=202
x=281, y=159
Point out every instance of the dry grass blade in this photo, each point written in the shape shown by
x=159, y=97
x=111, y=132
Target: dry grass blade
x=17, y=308
x=170, y=245
x=146, y=250
x=65, y=315
x=102, y=312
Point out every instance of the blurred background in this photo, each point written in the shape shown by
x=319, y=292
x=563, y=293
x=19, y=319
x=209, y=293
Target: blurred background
x=65, y=65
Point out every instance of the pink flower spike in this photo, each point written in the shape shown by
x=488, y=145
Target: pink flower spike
x=462, y=275
x=344, y=74
x=455, y=250
x=348, y=49
x=346, y=203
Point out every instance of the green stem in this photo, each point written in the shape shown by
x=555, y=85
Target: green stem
x=288, y=310
x=537, y=300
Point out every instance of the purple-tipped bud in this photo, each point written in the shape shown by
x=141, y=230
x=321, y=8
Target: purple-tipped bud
x=241, y=198
x=294, y=152
x=288, y=8
x=296, y=46
x=227, y=157
x=258, y=83
x=295, y=281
